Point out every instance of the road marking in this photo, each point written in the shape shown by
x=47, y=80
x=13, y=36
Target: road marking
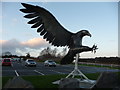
x=57, y=72
x=38, y=72
x=12, y=65
x=16, y=73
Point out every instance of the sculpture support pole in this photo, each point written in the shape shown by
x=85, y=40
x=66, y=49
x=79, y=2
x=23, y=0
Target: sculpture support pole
x=76, y=61
x=76, y=72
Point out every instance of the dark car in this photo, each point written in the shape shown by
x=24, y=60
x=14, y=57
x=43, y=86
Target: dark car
x=6, y=62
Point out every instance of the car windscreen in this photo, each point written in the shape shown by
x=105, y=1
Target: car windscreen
x=51, y=61
x=31, y=61
x=6, y=60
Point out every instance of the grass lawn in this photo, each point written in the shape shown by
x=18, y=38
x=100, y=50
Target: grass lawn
x=46, y=81
x=99, y=66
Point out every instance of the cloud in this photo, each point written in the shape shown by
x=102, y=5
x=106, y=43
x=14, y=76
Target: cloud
x=10, y=45
x=2, y=41
x=35, y=43
x=20, y=48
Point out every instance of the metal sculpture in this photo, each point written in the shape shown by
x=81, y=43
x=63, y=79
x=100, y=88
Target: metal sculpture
x=55, y=33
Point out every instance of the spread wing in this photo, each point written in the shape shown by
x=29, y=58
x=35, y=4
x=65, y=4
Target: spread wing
x=47, y=25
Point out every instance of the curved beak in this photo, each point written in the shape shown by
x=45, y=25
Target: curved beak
x=89, y=35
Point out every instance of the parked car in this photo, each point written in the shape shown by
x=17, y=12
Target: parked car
x=30, y=62
x=50, y=63
x=6, y=62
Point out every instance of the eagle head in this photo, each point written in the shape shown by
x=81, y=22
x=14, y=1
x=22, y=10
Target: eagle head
x=84, y=33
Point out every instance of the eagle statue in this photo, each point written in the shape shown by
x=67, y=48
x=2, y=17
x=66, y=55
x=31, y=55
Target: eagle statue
x=51, y=30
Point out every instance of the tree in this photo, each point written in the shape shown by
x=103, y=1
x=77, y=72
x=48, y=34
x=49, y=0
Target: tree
x=59, y=55
x=45, y=51
x=53, y=52
x=64, y=51
x=28, y=55
x=48, y=52
x=6, y=53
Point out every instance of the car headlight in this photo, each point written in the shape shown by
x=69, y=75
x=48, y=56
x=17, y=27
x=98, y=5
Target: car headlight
x=28, y=63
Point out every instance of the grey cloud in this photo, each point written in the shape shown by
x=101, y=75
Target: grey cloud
x=16, y=47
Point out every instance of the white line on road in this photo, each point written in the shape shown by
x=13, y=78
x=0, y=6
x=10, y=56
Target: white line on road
x=39, y=72
x=16, y=73
x=12, y=65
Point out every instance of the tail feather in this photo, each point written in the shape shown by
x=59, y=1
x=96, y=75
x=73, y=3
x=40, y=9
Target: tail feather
x=68, y=58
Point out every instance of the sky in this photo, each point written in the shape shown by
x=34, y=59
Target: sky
x=99, y=18
x=119, y=30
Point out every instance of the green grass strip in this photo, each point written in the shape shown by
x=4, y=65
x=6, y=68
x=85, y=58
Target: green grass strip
x=46, y=80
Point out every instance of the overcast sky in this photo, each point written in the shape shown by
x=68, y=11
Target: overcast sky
x=100, y=18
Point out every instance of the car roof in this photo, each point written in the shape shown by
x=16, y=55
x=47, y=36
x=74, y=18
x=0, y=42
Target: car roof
x=29, y=60
x=50, y=60
x=6, y=59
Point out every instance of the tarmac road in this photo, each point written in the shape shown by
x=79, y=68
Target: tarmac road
x=19, y=69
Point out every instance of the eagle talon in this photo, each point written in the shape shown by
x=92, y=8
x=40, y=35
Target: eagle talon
x=94, y=48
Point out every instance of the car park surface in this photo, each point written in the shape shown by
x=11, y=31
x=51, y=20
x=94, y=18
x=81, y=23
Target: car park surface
x=19, y=69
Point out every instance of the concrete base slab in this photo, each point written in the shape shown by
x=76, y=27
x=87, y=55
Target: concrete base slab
x=87, y=84
x=83, y=83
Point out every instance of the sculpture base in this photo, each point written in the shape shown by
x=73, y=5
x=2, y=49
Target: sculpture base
x=82, y=83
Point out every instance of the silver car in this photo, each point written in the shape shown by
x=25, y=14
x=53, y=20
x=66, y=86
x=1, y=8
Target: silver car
x=30, y=62
x=50, y=63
